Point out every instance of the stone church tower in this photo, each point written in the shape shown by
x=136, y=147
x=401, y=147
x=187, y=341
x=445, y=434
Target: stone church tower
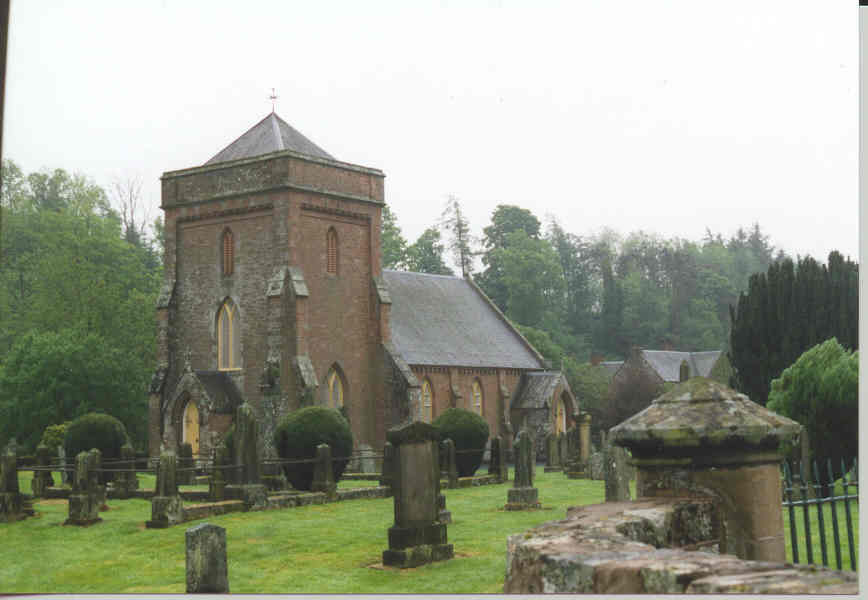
x=274, y=294
x=271, y=291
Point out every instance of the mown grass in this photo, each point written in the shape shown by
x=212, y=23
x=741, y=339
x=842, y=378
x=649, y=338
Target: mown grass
x=828, y=527
x=331, y=548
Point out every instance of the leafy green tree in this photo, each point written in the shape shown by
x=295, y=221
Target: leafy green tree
x=505, y=220
x=425, y=255
x=821, y=391
x=50, y=378
x=394, y=244
x=577, y=265
x=461, y=241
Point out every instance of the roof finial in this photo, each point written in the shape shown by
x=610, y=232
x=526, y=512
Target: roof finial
x=272, y=97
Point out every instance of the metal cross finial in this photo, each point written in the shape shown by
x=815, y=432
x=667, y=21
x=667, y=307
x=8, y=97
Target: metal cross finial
x=272, y=97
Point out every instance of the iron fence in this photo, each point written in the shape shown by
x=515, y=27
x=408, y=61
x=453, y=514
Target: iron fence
x=806, y=491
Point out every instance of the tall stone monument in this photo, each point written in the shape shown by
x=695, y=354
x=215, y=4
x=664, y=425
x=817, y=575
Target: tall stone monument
x=523, y=496
x=166, y=505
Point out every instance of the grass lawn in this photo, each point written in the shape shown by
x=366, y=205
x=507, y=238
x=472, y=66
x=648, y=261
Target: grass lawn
x=828, y=527
x=331, y=548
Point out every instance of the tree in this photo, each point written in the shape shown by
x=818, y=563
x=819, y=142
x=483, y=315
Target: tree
x=460, y=240
x=505, y=220
x=425, y=255
x=394, y=244
x=820, y=390
x=787, y=310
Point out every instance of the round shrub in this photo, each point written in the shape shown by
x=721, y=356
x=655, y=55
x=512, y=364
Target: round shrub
x=468, y=431
x=300, y=432
x=54, y=435
x=96, y=430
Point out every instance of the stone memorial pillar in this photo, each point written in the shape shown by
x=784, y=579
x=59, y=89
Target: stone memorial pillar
x=249, y=489
x=617, y=473
x=323, y=475
x=207, y=568
x=65, y=479
x=387, y=473
x=185, y=465
x=126, y=481
x=87, y=495
x=42, y=479
x=14, y=505
x=584, y=438
x=703, y=438
x=219, y=474
x=447, y=451
x=497, y=463
x=523, y=496
x=417, y=537
x=166, y=505
x=573, y=465
x=553, y=458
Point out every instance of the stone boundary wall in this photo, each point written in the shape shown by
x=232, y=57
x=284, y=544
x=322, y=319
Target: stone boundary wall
x=650, y=546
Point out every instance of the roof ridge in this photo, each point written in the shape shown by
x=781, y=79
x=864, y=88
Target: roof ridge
x=423, y=274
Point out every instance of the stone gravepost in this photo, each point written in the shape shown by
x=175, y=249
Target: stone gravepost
x=497, y=461
x=584, y=438
x=166, y=505
x=207, y=568
x=219, y=474
x=42, y=479
x=61, y=459
x=323, y=474
x=87, y=494
x=522, y=495
x=574, y=467
x=553, y=457
x=617, y=473
x=126, y=481
x=387, y=473
x=417, y=537
x=14, y=505
x=704, y=438
x=249, y=488
x=186, y=475
x=447, y=452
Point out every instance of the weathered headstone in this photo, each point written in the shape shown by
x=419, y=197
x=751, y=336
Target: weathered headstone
x=219, y=473
x=65, y=479
x=323, y=474
x=417, y=537
x=42, y=477
x=497, y=463
x=447, y=452
x=207, y=567
x=574, y=467
x=126, y=481
x=14, y=505
x=88, y=495
x=250, y=490
x=166, y=505
x=553, y=456
x=185, y=464
x=596, y=466
x=617, y=473
x=523, y=495
x=387, y=473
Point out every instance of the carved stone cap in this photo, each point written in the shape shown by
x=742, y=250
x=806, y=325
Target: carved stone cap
x=702, y=414
x=413, y=433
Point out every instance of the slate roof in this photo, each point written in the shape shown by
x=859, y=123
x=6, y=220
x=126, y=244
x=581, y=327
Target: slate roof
x=611, y=366
x=271, y=134
x=537, y=388
x=222, y=390
x=445, y=320
x=667, y=363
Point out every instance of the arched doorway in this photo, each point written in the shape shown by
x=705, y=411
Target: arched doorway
x=191, y=426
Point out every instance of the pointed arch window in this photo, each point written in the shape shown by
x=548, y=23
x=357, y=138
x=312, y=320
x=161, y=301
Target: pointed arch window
x=427, y=402
x=335, y=390
x=228, y=253
x=332, y=251
x=477, y=397
x=228, y=338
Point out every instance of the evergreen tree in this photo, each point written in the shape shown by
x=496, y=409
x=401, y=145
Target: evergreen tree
x=425, y=255
x=393, y=243
x=460, y=240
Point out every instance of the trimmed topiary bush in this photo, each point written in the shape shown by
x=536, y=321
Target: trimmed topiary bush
x=53, y=436
x=300, y=432
x=96, y=430
x=469, y=431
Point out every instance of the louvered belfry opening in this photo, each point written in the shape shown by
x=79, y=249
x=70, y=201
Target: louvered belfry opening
x=228, y=253
x=332, y=243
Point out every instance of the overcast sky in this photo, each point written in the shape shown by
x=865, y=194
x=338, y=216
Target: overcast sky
x=669, y=117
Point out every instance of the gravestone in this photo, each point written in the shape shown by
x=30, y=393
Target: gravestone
x=186, y=474
x=617, y=473
x=553, y=457
x=207, y=568
x=447, y=454
x=249, y=489
x=14, y=505
x=65, y=479
x=497, y=462
x=88, y=495
x=523, y=496
x=323, y=475
x=387, y=473
x=574, y=467
x=42, y=478
x=219, y=474
x=417, y=537
x=166, y=505
x=126, y=481
x=563, y=449
x=596, y=466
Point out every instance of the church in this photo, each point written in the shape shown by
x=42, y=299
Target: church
x=274, y=293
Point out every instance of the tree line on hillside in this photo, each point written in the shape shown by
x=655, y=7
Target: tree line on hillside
x=79, y=279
